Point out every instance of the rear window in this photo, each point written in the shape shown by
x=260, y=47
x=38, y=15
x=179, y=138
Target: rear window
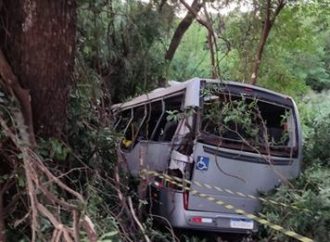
x=237, y=121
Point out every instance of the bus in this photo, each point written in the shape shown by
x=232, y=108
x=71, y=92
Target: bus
x=241, y=138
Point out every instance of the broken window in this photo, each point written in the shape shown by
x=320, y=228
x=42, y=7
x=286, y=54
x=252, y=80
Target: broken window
x=123, y=120
x=156, y=111
x=167, y=124
x=241, y=122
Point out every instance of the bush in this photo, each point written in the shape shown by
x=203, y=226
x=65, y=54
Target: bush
x=311, y=191
x=316, y=126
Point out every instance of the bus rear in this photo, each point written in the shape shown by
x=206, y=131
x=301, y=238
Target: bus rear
x=246, y=140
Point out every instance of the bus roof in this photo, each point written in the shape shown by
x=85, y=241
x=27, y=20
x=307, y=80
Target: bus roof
x=176, y=87
x=156, y=94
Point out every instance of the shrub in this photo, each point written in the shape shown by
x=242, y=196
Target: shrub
x=311, y=191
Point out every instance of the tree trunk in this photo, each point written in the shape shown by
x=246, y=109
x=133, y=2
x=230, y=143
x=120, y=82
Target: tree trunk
x=264, y=36
x=38, y=39
x=211, y=37
x=267, y=26
x=178, y=35
x=181, y=29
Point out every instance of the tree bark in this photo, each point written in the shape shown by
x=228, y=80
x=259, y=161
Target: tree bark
x=38, y=38
x=268, y=24
x=12, y=86
x=211, y=37
x=181, y=29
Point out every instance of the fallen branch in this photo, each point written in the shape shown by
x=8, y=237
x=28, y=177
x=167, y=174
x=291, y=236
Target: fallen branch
x=87, y=224
x=37, y=174
x=130, y=204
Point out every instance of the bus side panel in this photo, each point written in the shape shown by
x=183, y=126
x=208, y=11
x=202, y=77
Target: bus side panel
x=247, y=177
x=149, y=155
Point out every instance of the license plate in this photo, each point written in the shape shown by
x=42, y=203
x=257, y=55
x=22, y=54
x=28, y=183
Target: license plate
x=241, y=223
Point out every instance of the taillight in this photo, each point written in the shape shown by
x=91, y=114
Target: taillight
x=185, y=199
x=201, y=220
x=196, y=220
x=158, y=184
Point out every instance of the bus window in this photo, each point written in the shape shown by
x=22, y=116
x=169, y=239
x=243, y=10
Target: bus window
x=157, y=109
x=124, y=119
x=236, y=121
x=132, y=131
x=116, y=121
x=166, y=128
x=143, y=133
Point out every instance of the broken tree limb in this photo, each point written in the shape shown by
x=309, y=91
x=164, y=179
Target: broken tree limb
x=37, y=175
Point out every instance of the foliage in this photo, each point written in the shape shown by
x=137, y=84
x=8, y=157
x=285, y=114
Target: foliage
x=84, y=161
x=92, y=145
x=296, y=54
x=11, y=172
x=124, y=43
x=311, y=191
x=192, y=57
x=91, y=139
x=315, y=115
x=53, y=149
x=297, y=51
x=101, y=207
x=238, y=113
x=120, y=53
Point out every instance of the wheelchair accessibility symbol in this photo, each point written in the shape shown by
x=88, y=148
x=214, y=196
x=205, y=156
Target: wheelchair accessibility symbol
x=202, y=163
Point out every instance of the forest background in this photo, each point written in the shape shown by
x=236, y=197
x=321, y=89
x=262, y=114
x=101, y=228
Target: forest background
x=63, y=64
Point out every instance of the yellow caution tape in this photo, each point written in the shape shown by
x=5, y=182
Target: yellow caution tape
x=263, y=221
x=230, y=191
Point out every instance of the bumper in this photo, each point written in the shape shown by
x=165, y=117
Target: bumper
x=170, y=206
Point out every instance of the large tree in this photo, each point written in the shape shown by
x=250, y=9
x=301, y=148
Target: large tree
x=37, y=47
x=38, y=41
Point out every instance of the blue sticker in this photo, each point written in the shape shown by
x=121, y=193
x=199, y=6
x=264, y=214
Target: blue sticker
x=202, y=163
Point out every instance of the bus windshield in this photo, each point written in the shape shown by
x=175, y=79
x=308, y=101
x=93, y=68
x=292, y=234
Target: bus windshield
x=238, y=121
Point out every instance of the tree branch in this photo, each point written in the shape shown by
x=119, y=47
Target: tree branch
x=12, y=85
x=268, y=24
x=130, y=203
x=182, y=28
x=212, y=38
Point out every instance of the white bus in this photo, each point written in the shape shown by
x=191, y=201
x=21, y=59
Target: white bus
x=231, y=135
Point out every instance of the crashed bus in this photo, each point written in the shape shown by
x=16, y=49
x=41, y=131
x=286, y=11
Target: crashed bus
x=241, y=138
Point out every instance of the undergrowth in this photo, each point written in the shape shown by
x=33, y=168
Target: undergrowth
x=312, y=189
